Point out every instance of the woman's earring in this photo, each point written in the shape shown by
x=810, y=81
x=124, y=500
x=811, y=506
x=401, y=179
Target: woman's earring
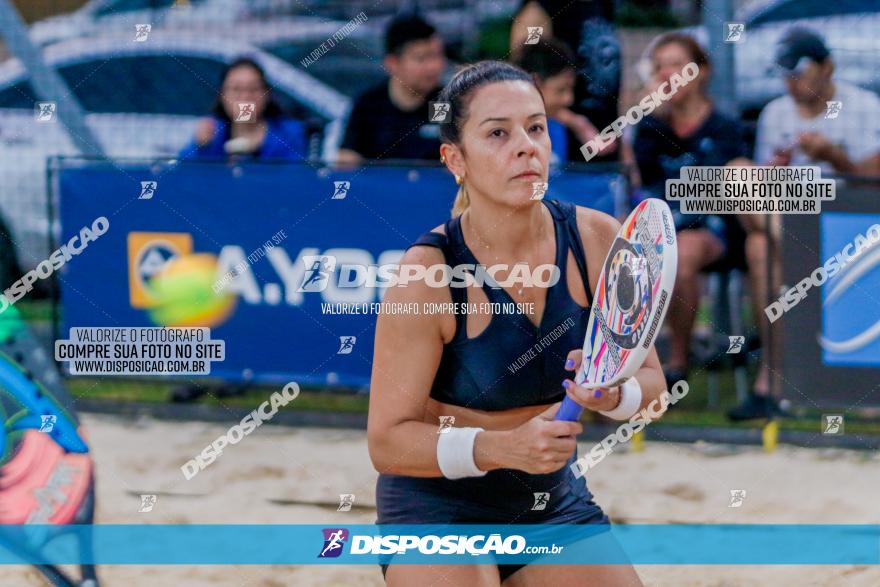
x=457, y=180
x=442, y=159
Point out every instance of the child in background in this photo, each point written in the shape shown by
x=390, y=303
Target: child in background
x=552, y=64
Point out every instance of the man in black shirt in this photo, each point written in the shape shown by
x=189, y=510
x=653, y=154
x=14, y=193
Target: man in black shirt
x=391, y=120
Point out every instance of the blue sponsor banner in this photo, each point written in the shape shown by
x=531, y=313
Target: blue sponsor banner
x=851, y=299
x=694, y=544
x=261, y=222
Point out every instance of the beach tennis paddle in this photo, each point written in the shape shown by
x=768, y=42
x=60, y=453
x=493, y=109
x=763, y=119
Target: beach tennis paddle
x=631, y=298
x=46, y=469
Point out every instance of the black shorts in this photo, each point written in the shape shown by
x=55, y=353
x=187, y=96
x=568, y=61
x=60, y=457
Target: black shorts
x=507, y=570
x=503, y=496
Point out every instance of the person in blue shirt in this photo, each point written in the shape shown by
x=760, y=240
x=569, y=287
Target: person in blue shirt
x=246, y=121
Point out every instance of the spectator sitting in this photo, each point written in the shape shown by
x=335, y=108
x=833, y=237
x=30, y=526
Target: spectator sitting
x=552, y=64
x=685, y=130
x=391, y=120
x=821, y=122
x=246, y=121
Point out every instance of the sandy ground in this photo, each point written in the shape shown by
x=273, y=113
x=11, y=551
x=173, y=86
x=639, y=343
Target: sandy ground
x=664, y=483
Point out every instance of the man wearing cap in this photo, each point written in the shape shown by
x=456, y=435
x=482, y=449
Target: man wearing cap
x=830, y=124
x=823, y=122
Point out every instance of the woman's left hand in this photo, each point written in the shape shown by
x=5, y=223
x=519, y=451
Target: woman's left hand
x=205, y=131
x=598, y=400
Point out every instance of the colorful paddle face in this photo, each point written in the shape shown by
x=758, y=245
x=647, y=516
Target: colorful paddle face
x=630, y=301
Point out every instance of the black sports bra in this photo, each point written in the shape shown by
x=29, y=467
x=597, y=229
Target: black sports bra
x=512, y=363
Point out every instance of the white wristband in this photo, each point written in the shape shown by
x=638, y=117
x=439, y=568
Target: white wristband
x=455, y=453
x=630, y=401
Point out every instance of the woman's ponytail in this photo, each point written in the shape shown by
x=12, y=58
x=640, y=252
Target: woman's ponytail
x=462, y=201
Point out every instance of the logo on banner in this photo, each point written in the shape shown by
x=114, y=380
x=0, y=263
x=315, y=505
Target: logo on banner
x=346, y=345
x=847, y=337
x=148, y=189
x=340, y=189
x=148, y=252
x=334, y=540
x=319, y=268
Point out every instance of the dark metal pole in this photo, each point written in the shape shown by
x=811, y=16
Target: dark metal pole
x=722, y=86
x=47, y=84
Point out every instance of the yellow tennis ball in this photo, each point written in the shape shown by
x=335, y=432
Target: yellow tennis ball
x=183, y=293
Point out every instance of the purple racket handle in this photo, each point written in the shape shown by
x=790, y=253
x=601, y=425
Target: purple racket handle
x=570, y=410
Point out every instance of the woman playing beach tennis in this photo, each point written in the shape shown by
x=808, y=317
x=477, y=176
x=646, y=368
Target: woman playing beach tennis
x=504, y=453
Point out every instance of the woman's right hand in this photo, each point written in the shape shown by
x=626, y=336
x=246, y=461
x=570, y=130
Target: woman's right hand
x=205, y=131
x=541, y=445
x=781, y=157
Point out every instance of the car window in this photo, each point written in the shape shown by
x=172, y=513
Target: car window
x=349, y=72
x=154, y=84
x=294, y=108
x=20, y=95
x=294, y=52
x=121, y=6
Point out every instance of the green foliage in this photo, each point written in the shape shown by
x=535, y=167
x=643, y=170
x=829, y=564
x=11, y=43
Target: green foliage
x=495, y=39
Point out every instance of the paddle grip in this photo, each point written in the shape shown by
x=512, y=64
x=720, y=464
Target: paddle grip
x=569, y=411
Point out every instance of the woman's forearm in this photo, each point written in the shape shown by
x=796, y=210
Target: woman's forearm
x=410, y=448
x=490, y=448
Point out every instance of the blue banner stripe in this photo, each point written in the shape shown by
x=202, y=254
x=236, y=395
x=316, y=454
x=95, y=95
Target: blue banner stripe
x=232, y=212
x=370, y=544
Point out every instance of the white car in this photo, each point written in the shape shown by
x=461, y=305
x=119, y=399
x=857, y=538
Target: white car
x=111, y=16
x=140, y=100
x=288, y=29
x=455, y=19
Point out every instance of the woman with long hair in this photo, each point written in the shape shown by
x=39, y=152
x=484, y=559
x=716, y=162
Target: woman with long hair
x=246, y=121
